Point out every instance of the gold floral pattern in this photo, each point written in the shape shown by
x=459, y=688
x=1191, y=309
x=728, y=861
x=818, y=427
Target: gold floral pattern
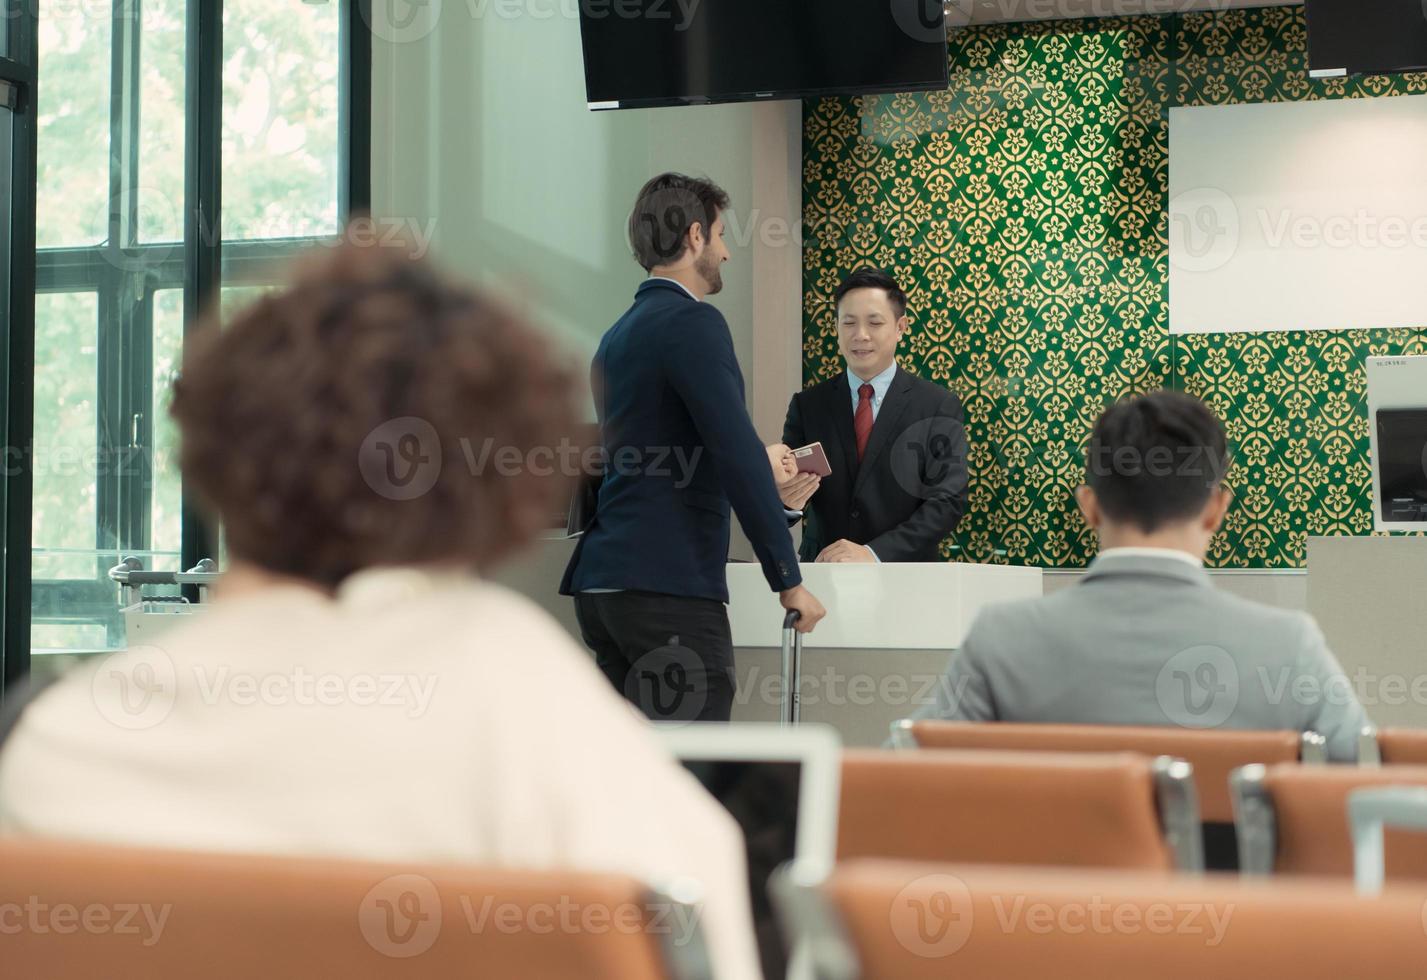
x=1024, y=210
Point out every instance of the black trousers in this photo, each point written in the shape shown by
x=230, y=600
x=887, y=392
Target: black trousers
x=670, y=655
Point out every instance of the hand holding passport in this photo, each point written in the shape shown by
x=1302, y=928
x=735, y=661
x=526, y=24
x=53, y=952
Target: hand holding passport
x=797, y=472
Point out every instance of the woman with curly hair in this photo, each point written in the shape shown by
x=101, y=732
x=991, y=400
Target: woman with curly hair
x=356, y=688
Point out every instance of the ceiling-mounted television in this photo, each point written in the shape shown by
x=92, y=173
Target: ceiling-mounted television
x=641, y=53
x=1366, y=37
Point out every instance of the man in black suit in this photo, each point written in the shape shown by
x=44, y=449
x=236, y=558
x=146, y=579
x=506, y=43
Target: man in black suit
x=896, y=443
x=648, y=575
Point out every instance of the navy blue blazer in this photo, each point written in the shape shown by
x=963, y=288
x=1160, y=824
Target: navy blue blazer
x=679, y=446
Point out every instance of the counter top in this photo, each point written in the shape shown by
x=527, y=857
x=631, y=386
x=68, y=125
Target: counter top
x=892, y=606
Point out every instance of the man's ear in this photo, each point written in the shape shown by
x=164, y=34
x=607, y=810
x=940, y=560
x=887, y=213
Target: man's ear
x=696, y=238
x=1089, y=506
x=904, y=325
x=1216, y=508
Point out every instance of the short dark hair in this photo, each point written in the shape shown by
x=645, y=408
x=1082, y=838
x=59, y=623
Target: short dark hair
x=870, y=278
x=666, y=208
x=1155, y=459
x=294, y=413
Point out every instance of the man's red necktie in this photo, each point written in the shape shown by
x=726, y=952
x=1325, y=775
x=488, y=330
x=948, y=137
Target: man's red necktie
x=862, y=421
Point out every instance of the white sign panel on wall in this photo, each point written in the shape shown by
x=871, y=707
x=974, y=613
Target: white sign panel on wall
x=1298, y=216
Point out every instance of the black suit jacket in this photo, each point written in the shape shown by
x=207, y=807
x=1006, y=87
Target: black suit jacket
x=909, y=491
x=679, y=448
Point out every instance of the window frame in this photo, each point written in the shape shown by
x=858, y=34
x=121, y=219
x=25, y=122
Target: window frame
x=18, y=58
x=126, y=275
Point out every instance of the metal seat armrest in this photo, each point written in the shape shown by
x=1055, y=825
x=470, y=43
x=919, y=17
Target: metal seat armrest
x=904, y=734
x=1313, y=749
x=810, y=922
x=682, y=943
x=1370, y=812
x=1255, y=825
x=1178, y=804
x=1369, y=751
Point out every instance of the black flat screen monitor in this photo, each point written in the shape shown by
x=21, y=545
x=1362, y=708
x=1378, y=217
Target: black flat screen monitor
x=641, y=53
x=1402, y=463
x=1366, y=37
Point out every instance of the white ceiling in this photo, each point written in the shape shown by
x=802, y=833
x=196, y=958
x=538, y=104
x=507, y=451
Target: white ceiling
x=962, y=12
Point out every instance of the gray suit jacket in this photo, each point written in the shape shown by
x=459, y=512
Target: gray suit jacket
x=1147, y=640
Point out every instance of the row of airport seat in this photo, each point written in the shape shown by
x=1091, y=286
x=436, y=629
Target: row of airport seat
x=942, y=870
x=241, y=916
x=1294, y=821
x=1213, y=754
x=882, y=920
x=71, y=910
x=1009, y=801
x=1038, y=829
x=1092, y=810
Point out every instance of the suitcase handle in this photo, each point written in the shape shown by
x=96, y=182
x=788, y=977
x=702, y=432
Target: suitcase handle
x=791, y=710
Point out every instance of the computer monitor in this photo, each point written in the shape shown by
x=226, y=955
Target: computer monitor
x=782, y=784
x=1397, y=427
x=1402, y=465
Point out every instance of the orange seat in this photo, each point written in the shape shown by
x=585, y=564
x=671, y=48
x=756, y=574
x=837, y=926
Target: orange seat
x=1214, y=754
x=1294, y=820
x=878, y=920
x=1100, y=810
x=122, y=914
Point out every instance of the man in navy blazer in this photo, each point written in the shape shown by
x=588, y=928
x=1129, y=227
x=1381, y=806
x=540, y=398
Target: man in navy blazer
x=648, y=575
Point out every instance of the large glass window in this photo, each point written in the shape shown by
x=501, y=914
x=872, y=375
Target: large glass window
x=66, y=472
x=167, y=500
x=113, y=145
x=72, y=191
x=280, y=129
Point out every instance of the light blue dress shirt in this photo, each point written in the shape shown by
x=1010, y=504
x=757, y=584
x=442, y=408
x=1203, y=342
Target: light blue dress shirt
x=879, y=384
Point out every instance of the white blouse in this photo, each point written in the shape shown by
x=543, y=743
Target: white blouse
x=416, y=717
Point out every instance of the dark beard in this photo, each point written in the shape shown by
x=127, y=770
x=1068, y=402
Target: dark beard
x=708, y=269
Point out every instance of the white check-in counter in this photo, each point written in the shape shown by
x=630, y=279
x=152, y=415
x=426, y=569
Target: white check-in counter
x=889, y=631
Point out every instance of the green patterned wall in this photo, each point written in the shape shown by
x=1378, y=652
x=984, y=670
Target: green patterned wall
x=1025, y=211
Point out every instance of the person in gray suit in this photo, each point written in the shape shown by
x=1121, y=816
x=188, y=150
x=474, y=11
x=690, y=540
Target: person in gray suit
x=1145, y=638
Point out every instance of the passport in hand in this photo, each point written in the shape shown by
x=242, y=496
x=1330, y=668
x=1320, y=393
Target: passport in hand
x=812, y=459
